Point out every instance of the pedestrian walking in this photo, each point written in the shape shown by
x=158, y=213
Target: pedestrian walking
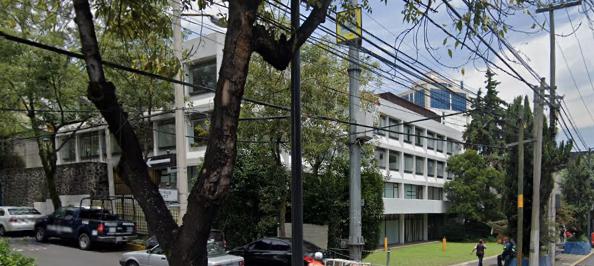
x=508, y=253
x=480, y=251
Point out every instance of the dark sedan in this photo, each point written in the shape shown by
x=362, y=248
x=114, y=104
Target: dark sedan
x=273, y=251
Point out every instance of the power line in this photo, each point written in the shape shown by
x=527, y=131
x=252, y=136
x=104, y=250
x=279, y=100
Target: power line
x=574, y=82
x=581, y=51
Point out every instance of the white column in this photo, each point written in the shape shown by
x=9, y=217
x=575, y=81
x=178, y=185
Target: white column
x=76, y=148
x=425, y=227
x=59, y=153
x=401, y=224
x=425, y=192
x=101, y=143
x=401, y=188
x=109, y=162
x=155, y=139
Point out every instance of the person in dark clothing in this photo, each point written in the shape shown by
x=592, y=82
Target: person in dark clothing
x=507, y=254
x=480, y=251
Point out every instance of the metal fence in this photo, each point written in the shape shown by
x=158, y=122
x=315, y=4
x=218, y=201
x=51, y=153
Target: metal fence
x=130, y=210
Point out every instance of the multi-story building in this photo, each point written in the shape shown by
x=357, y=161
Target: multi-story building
x=442, y=97
x=413, y=159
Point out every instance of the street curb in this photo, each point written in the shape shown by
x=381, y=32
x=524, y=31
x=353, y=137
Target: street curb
x=474, y=261
x=582, y=259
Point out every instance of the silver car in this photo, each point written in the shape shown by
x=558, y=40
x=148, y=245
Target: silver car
x=13, y=219
x=155, y=257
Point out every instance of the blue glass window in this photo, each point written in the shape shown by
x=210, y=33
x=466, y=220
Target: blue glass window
x=440, y=99
x=459, y=102
x=420, y=98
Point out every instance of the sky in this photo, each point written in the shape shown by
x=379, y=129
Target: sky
x=386, y=22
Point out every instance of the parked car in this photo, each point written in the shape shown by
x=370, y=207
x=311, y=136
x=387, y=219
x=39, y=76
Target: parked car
x=86, y=225
x=275, y=251
x=13, y=219
x=155, y=257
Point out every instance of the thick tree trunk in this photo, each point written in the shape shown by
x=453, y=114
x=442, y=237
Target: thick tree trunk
x=215, y=176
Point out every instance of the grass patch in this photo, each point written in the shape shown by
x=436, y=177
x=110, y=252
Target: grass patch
x=430, y=254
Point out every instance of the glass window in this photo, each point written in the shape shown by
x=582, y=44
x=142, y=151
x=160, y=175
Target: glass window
x=115, y=148
x=394, y=160
x=391, y=190
x=1, y=212
x=88, y=145
x=435, y=193
x=279, y=245
x=204, y=76
x=419, y=165
x=168, y=179
x=263, y=244
x=430, y=140
x=440, y=168
x=382, y=124
x=199, y=131
x=413, y=191
x=166, y=135
x=459, y=102
x=380, y=158
x=419, y=133
x=394, y=127
x=420, y=98
x=408, y=163
x=439, y=143
x=450, y=146
x=68, y=152
x=430, y=167
x=450, y=175
x=408, y=132
x=440, y=99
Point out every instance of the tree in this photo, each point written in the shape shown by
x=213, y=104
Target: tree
x=474, y=193
x=577, y=192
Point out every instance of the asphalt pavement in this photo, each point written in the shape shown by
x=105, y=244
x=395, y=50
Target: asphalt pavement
x=65, y=253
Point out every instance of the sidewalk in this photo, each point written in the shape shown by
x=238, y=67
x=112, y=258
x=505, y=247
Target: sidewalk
x=560, y=260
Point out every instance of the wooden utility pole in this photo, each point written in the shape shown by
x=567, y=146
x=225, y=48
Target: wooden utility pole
x=520, y=235
x=553, y=101
x=536, y=172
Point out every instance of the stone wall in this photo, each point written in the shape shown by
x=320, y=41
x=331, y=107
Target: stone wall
x=23, y=187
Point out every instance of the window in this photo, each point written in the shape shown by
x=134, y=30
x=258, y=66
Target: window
x=408, y=132
x=440, y=168
x=68, y=152
x=440, y=99
x=450, y=146
x=382, y=124
x=395, y=127
x=199, y=132
x=430, y=167
x=419, y=165
x=168, y=179
x=419, y=133
x=391, y=190
x=394, y=160
x=263, y=244
x=450, y=175
x=166, y=135
x=457, y=148
x=413, y=191
x=115, y=148
x=439, y=143
x=204, y=76
x=279, y=245
x=88, y=145
x=435, y=193
x=420, y=98
x=459, y=102
x=430, y=140
x=1, y=212
x=408, y=163
x=380, y=158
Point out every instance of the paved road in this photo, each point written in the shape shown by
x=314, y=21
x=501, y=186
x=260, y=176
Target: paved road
x=588, y=262
x=64, y=253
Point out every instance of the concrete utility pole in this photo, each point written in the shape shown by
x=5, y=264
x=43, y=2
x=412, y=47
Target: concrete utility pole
x=180, y=118
x=553, y=101
x=537, y=161
x=520, y=236
x=356, y=241
x=296, y=167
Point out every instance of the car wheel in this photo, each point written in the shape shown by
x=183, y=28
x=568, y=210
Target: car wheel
x=40, y=234
x=84, y=241
x=131, y=263
x=2, y=231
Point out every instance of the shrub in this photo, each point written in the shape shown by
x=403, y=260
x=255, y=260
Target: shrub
x=10, y=258
x=470, y=231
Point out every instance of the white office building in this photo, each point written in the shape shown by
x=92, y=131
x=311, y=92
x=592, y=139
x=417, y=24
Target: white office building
x=414, y=169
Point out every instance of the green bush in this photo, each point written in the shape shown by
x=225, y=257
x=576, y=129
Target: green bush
x=10, y=258
x=578, y=238
x=471, y=231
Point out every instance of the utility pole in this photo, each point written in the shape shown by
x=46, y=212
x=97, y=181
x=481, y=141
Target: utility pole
x=520, y=235
x=180, y=118
x=553, y=100
x=356, y=241
x=537, y=162
x=296, y=167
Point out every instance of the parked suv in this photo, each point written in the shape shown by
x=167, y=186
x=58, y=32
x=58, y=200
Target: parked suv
x=13, y=219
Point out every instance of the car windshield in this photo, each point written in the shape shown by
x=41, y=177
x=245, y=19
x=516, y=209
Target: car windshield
x=215, y=248
x=97, y=214
x=23, y=211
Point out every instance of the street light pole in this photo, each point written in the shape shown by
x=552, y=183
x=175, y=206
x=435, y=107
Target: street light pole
x=536, y=173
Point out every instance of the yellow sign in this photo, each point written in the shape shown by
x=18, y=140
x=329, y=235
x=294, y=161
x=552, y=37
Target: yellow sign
x=521, y=201
x=349, y=25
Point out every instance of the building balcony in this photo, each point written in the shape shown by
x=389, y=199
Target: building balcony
x=413, y=206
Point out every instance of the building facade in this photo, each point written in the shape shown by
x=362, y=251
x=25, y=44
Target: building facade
x=413, y=160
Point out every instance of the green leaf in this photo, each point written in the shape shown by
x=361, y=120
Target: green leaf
x=462, y=71
x=450, y=53
x=445, y=41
